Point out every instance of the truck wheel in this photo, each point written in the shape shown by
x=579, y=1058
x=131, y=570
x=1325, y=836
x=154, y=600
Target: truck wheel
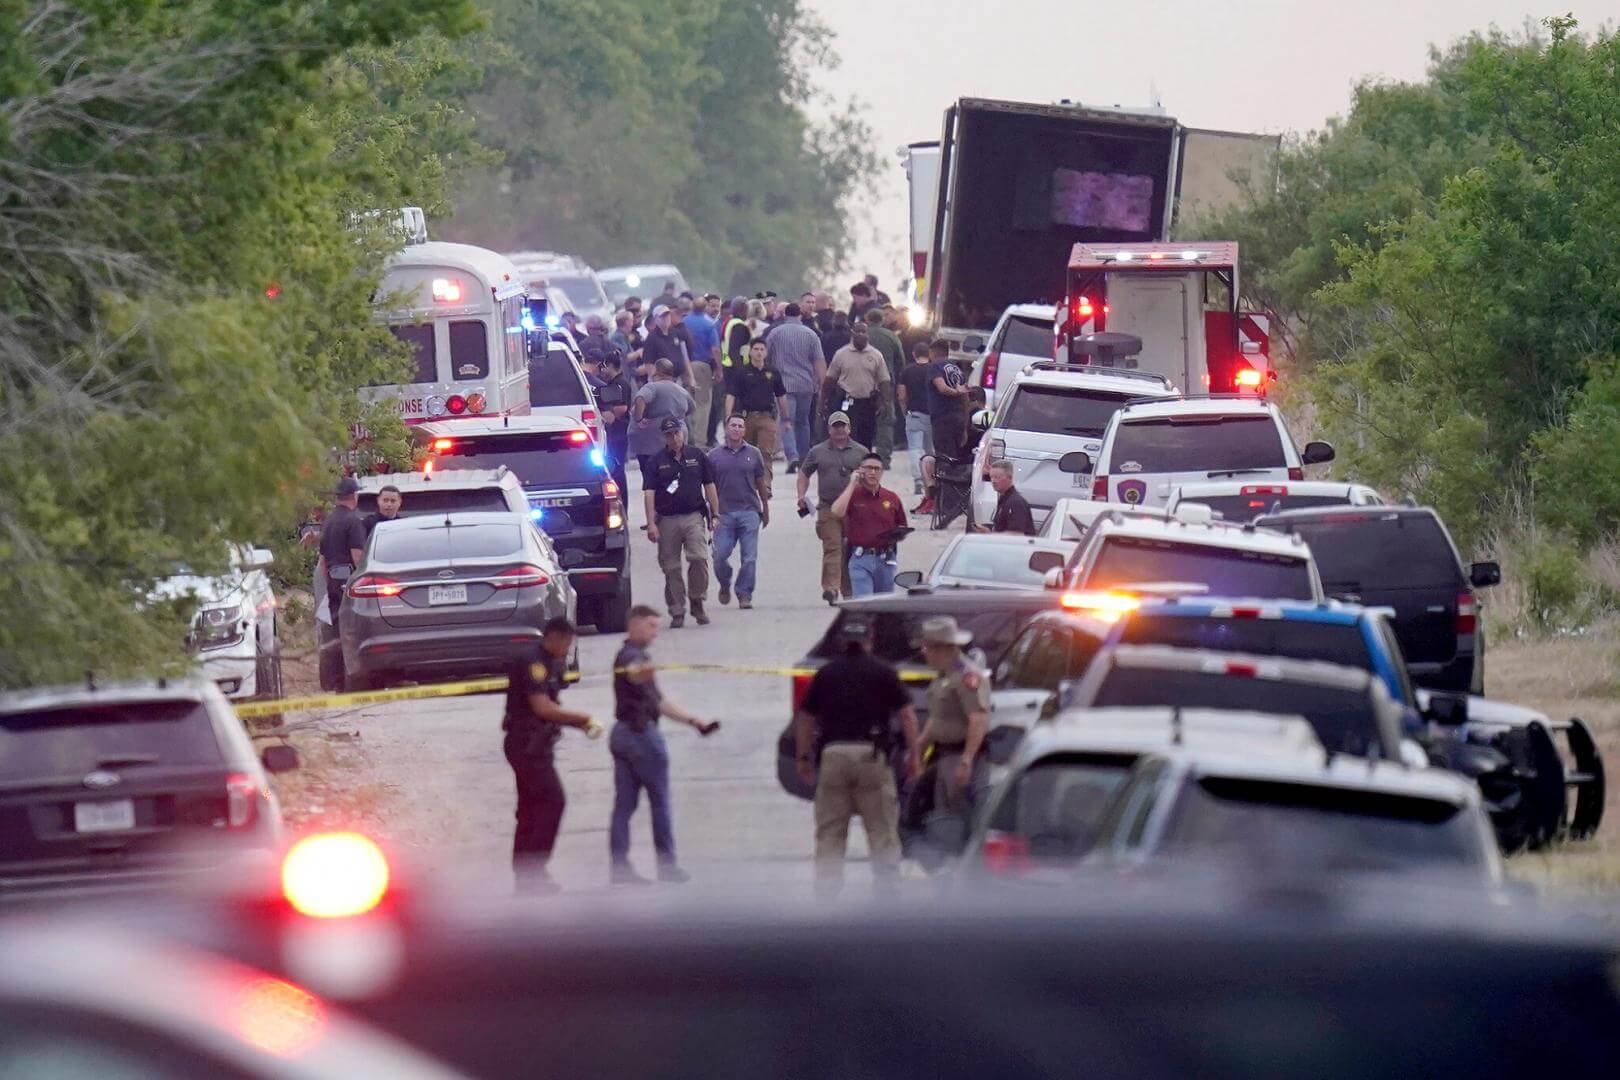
x=613, y=612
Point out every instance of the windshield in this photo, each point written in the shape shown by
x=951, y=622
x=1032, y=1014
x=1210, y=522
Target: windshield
x=1247, y=507
x=1343, y=719
x=1057, y=802
x=556, y=380
x=1056, y=410
x=1024, y=336
x=469, y=349
x=417, y=503
x=1126, y=560
x=1294, y=639
x=1387, y=550
x=1321, y=827
x=1197, y=443
x=538, y=460
x=581, y=289
x=1002, y=564
x=77, y=740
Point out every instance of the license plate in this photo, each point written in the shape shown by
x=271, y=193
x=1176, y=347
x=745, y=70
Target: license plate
x=447, y=594
x=104, y=816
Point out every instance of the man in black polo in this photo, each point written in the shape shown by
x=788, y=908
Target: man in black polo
x=682, y=505
x=1012, y=510
x=343, y=540
x=389, y=500
x=614, y=400
x=533, y=723
x=755, y=391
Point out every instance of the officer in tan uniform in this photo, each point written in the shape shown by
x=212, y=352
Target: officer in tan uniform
x=958, y=714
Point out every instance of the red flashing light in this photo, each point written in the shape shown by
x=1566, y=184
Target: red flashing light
x=1245, y=613
x=374, y=585
x=521, y=577
x=1467, y=613
x=447, y=290
x=455, y=405
x=1237, y=667
x=443, y=444
x=579, y=436
x=1246, y=379
x=334, y=875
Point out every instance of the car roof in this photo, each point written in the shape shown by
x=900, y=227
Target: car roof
x=1044, y=543
x=1067, y=377
x=1154, y=728
x=948, y=600
x=1274, y=668
x=128, y=691
x=1212, y=534
x=461, y=479
x=1031, y=311
x=1317, y=513
x=640, y=270
x=1294, y=487
x=1203, y=607
x=495, y=269
x=543, y=422
x=1319, y=768
x=1233, y=405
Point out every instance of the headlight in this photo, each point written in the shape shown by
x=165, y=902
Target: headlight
x=215, y=627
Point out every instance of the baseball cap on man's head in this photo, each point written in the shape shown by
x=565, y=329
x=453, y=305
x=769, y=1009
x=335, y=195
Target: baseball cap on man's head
x=348, y=485
x=671, y=423
x=838, y=418
x=660, y=309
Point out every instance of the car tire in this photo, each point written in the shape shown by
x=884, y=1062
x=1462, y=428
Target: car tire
x=611, y=614
x=267, y=682
x=360, y=682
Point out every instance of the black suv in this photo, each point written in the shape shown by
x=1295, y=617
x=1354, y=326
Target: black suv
x=570, y=494
x=1401, y=557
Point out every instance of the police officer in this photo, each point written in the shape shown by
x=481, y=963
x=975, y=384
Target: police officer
x=958, y=714
x=845, y=734
x=613, y=401
x=682, y=505
x=533, y=723
x=343, y=541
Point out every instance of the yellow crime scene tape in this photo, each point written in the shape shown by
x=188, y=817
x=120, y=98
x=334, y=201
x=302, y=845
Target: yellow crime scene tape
x=495, y=685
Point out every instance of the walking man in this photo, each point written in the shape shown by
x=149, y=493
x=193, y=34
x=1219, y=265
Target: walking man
x=343, y=542
x=756, y=392
x=533, y=723
x=845, y=737
x=743, y=480
x=1012, y=511
x=705, y=355
x=614, y=400
x=913, y=393
x=947, y=414
x=857, y=377
x=660, y=400
x=958, y=714
x=794, y=350
x=640, y=758
x=835, y=461
x=389, y=500
x=874, y=522
x=681, y=505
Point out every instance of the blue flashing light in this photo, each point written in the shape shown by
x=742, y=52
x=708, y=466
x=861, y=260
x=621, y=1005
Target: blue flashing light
x=528, y=322
x=597, y=459
x=553, y=322
x=537, y=513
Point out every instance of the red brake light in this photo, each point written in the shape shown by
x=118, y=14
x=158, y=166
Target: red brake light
x=1262, y=489
x=521, y=577
x=1467, y=613
x=1005, y=853
x=1099, y=488
x=241, y=799
x=374, y=585
x=801, y=687
x=440, y=445
x=579, y=436
x=1296, y=473
x=455, y=405
x=1237, y=667
x=610, y=488
x=991, y=361
x=1246, y=378
x=1245, y=613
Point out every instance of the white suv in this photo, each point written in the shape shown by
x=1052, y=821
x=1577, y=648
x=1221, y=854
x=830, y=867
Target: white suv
x=1245, y=500
x=1152, y=448
x=1023, y=335
x=1124, y=549
x=1052, y=410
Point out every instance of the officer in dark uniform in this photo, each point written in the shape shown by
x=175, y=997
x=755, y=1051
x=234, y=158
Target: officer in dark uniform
x=845, y=737
x=1012, y=509
x=533, y=723
x=613, y=402
x=343, y=539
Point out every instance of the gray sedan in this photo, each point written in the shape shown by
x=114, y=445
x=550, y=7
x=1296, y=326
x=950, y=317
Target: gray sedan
x=461, y=594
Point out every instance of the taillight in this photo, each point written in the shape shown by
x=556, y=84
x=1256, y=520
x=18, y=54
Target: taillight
x=241, y=795
x=334, y=875
x=578, y=437
x=1099, y=488
x=613, y=508
x=991, y=361
x=1238, y=667
x=1467, y=613
x=374, y=585
x=1296, y=473
x=1005, y=853
x=521, y=577
x=801, y=687
x=476, y=403
x=994, y=450
x=588, y=418
x=455, y=404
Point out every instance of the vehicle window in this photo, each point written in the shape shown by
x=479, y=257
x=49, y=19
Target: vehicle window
x=1392, y=644
x=401, y=543
x=1057, y=803
x=1010, y=670
x=1048, y=661
x=1208, y=444
x=513, y=342
x=1025, y=336
x=1058, y=410
x=1250, y=506
x=1325, y=827
x=1137, y=807
x=79, y=739
x=420, y=339
x=1004, y=564
x=1337, y=644
x=555, y=379
x=536, y=459
x=581, y=289
x=991, y=630
x=1126, y=560
x=485, y=541
x=1386, y=550
x=469, y=349
x=489, y=500
x=1343, y=719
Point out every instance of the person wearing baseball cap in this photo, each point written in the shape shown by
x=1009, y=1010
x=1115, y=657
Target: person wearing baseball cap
x=833, y=462
x=662, y=344
x=682, y=506
x=343, y=539
x=958, y=714
x=846, y=742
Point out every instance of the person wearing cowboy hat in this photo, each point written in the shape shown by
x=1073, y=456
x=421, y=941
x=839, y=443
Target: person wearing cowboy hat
x=958, y=714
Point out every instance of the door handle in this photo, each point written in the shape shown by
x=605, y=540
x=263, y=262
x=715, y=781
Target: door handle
x=1436, y=609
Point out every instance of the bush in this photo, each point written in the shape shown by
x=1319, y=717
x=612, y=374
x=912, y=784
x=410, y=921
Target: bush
x=1552, y=585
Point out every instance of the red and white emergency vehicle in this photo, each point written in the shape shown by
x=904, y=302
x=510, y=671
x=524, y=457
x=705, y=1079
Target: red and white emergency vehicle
x=1180, y=301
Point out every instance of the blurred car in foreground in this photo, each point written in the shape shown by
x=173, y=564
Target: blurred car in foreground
x=990, y=561
x=129, y=785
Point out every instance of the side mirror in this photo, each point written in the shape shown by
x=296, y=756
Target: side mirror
x=1316, y=453
x=1043, y=561
x=982, y=419
x=1075, y=461
x=908, y=579
x=1448, y=709
x=1482, y=575
x=279, y=758
x=1053, y=578
x=973, y=343
x=1002, y=742
x=263, y=558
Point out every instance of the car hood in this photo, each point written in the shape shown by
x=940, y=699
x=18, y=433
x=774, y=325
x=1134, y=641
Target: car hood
x=208, y=591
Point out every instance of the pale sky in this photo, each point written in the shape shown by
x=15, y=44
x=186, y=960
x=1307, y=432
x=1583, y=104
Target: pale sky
x=1239, y=65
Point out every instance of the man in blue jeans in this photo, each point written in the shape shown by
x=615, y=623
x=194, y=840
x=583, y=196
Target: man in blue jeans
x=874, y=523
x=640, y=758
x=794, y=350
x=743, y=481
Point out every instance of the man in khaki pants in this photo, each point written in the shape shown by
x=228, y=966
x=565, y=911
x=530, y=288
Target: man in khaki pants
x=832, y=462
x=845, y=733
x=682, y=505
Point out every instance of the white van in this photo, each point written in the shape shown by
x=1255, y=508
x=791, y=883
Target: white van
x=1022, y=336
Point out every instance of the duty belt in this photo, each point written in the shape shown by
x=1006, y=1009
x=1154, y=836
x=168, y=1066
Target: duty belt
x=883, y=552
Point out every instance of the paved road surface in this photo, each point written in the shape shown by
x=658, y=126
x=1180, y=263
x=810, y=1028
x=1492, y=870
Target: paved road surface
x=732, y=820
